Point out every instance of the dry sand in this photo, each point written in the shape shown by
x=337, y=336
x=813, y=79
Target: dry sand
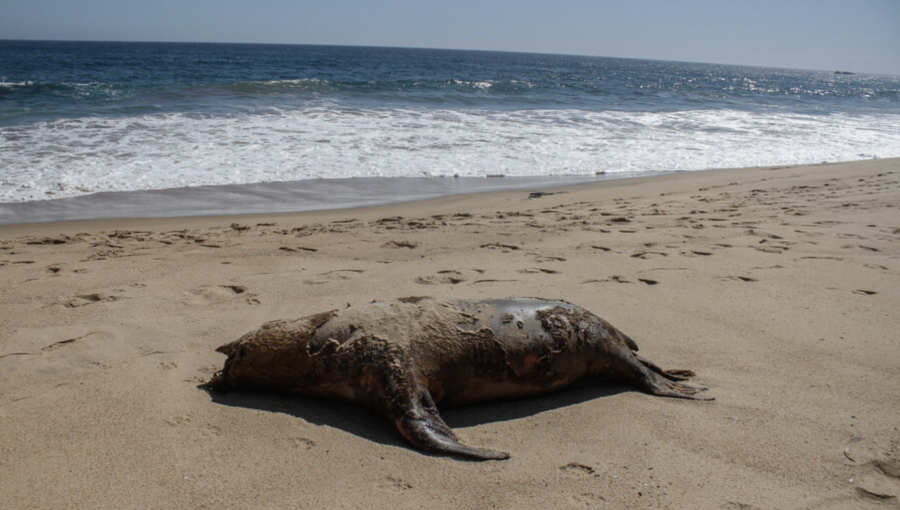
x=780, y=287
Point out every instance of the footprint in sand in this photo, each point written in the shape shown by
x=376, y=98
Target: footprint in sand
x=646, y=255
x=448, y=277
x=876, y=481
x=295, y=443
x=208, y=294
x=622, y=279
x=334, y=276
x=505, y=248
x=179, y=420
x=589, y=499
x=57, y=345
x=537, y=270
x=51, y=240
x=301, y=443
x=440, y=280
x=739, y=278
x=737, y=505
x=777, y=250
x=594, y=247
x=392, y=484
x=88, y=299
x=394, y=245
x=546, y=258
x=577, y=469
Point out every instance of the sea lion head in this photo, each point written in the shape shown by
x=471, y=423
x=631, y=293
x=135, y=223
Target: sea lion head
x=270, y=357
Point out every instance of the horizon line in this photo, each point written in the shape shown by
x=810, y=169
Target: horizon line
x=834, y=71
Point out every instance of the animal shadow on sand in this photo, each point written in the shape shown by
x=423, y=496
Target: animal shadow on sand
x=369, y=424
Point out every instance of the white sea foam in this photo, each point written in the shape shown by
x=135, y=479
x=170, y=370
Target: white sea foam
x=483, y=85
x=75, y=157
x=10, y=85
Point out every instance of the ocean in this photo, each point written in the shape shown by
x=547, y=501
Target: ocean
x=164, y=128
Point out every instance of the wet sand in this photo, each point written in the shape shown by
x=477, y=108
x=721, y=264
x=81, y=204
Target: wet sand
x=779, y=287
x=273, y=197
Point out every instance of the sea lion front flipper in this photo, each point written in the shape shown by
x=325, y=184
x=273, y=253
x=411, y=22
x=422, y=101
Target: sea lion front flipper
x=411, y=409
x=431, y=434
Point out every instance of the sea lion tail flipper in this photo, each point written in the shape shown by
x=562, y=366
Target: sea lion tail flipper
x=672, y=375
x=666, y=388
x=665, y=383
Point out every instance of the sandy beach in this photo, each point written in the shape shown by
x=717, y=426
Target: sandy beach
x=779, y=287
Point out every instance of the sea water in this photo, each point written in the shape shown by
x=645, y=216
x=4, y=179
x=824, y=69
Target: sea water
x=78, y=118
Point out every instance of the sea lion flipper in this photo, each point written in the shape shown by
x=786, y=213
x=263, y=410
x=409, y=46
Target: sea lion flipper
x=672, y=375
x=673, y=389
x=412, y=410
x=431, y=434
x=659, y=384
x=665, y=383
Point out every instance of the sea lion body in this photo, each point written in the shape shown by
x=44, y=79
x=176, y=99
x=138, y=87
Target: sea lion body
x=404, y=357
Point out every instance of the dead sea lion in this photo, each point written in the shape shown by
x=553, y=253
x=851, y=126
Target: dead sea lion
x=404, y=357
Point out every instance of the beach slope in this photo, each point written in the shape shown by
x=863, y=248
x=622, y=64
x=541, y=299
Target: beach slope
x=779, y=287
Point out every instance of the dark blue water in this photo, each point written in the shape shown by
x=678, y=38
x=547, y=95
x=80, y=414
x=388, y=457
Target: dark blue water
x=77, y=118
x=54, y=80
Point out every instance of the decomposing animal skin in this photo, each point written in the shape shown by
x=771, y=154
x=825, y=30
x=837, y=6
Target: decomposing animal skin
x=404, y=357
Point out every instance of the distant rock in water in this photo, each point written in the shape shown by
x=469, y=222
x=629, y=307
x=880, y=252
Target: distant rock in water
x=843, y=72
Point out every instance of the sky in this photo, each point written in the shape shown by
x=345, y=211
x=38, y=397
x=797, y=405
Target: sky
x=848, y=35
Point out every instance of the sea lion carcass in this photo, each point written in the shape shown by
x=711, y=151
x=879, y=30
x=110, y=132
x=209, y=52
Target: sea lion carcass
x=404, y=357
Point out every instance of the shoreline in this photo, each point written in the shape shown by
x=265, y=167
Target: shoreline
x=778, y=286
x=277, y=197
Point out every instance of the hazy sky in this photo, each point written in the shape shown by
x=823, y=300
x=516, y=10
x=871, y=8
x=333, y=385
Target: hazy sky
x=851, y=35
